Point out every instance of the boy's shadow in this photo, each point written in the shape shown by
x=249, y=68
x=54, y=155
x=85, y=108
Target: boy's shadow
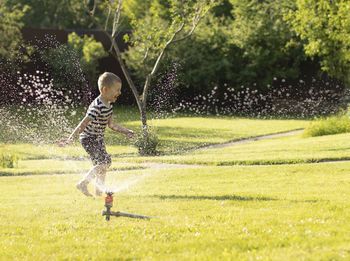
x=221, y=197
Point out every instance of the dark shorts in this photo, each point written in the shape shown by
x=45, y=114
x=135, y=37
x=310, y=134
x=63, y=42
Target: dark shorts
x=96, y=149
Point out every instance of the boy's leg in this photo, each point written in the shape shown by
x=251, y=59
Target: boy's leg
x=105, y=161
x=100, y=179
x=98, y=171
x=92, y=173
x=89, y=144
x=101, y=160
x=100, y=182
x=82, y=186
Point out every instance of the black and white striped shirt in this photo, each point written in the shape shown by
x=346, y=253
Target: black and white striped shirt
x=100, y=114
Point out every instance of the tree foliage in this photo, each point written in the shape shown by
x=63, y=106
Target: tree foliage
x=248, y=44
x=238, y=43
x=157, y=25
x=75, y=63
x=209, y=58
x=10, y=32
x=89, y=51
x=270, y=48
x=52, y=14
x=325, y=28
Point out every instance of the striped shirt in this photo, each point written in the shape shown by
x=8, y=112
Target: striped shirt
x=100, y=114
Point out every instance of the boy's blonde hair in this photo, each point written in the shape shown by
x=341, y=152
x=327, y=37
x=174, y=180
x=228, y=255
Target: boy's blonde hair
x=107, y=79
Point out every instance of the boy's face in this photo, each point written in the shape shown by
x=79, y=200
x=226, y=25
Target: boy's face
x=113, y=92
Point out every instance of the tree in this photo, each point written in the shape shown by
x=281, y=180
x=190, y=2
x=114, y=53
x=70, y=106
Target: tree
x=270, y=48
x=52, y=14
x=73, y=63
x=10, y=32
x=246, y=45
x=209, y=58
x=325, y=28
x=152, y=36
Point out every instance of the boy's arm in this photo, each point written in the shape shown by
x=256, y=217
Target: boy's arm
x=112, y=125
x=79, y=129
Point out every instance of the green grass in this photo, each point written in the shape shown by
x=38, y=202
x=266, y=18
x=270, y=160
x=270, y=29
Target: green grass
x=290, y=149
x=267, y=212
x=285, y=212
x=51, y=166
x=175, y=134
x=327, y=126
x=27, y=151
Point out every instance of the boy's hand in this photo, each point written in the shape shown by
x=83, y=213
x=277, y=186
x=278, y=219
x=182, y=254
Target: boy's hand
x=130, y=134
x=63, y=142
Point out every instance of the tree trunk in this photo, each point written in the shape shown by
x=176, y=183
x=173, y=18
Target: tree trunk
x=141, y=104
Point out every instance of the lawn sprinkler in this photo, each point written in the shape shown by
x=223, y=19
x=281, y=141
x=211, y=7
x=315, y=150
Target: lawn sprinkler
x=109, y=204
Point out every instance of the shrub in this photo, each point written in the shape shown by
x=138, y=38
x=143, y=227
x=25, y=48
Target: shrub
x=11, y=39
x=89, y=52
x=336, y=124
x=7, y=160
x=74, y=64
x=147, y=145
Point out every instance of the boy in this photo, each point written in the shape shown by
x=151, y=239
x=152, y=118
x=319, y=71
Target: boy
x=91, y=130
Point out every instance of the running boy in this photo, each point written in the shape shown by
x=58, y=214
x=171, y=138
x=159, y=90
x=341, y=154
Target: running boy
x=91, y=130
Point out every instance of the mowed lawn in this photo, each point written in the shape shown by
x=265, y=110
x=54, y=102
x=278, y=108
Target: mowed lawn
x=175, y=134
x=190, y=132
x=281, y=212
x=283, y=150
x=260, y=211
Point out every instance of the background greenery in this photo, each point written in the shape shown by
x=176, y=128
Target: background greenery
x=239, y=44
x=283, y=209
x=75, y=63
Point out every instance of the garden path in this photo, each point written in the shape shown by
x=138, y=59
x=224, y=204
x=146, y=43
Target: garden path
x=218, y=146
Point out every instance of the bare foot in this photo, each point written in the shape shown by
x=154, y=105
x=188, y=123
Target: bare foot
x=83, y=189
x=98, y=192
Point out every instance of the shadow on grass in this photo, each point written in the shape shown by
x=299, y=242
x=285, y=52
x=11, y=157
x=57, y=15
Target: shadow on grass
x=222, y=197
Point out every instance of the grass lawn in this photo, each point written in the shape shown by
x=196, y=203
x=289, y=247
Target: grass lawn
x=173, y=137
x=290, y=149
x=188, y=132
x=175, y=134
x=281, y=212
x=234, y=212
x=51, y=166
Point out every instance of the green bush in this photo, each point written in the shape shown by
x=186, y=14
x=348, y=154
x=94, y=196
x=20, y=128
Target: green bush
x=336, y=124
x=75, y=62
x=7, y=160
x=89, y=52
x=11, y=41
x=147, y=145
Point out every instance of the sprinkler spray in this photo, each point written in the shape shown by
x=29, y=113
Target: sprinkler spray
x=109, y=204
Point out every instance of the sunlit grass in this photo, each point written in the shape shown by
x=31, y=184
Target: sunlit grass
x=285, y=212
x=327, y=126
x=291, y=149
x=175, y=134
x=52, y=151
x=188, y=132
x=50, y=166
x=280, y=212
